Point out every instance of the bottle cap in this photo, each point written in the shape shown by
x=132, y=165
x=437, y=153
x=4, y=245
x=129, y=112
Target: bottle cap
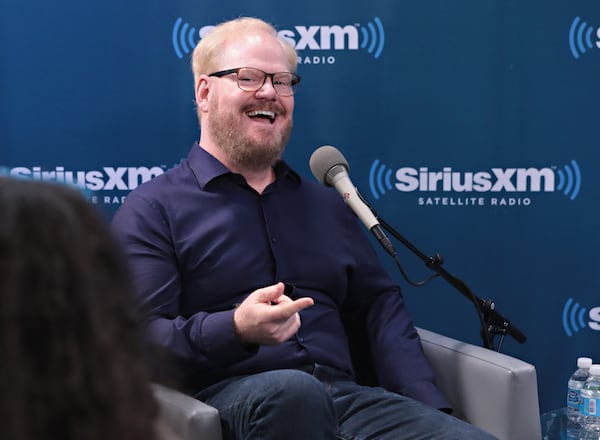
x=595, y=370
x=584, y=362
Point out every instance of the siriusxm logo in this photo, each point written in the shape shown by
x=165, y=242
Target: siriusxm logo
x=580, y=37
x=105, y=179
x=566, y=179
x=369, y=37
x=576, y=317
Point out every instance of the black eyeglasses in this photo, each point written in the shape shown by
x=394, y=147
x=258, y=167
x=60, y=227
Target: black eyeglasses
x=250, y=79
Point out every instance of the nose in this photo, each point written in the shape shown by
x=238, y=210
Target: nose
x=267, y=88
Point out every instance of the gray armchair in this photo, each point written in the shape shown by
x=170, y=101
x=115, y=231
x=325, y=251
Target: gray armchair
x=493, y=391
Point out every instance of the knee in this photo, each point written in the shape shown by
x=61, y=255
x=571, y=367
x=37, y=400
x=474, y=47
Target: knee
x=276, y=404
x=290, y=404
x=299, y=392
x=294, y=384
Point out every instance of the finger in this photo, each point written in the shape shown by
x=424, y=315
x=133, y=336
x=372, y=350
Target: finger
x=268, y=294
x=281, y=300
x=287, y=309
x=290, y=327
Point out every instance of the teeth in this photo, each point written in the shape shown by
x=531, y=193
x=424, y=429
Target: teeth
x=264, y=113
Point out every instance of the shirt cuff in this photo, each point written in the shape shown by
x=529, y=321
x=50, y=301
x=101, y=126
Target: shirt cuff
x=220, y=342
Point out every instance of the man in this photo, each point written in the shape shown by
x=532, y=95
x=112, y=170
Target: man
x=251, y=296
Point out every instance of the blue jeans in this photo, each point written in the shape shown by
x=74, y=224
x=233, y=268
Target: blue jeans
x=328, y=405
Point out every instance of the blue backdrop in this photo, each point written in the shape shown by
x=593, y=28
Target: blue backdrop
x=469, y=126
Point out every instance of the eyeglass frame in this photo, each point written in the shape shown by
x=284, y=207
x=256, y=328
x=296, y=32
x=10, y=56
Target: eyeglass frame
x=293, y=85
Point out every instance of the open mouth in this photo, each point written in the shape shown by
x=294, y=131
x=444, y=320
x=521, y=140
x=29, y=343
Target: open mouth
x=262, y=114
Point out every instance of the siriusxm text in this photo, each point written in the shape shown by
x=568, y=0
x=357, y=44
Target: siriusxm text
x=316, y=37
x=107, y=179
x=496, y=180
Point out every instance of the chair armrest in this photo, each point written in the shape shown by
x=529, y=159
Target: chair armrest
x=491, y=390
x=188, y=418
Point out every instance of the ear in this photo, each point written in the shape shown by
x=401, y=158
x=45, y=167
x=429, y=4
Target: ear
x=202, y=92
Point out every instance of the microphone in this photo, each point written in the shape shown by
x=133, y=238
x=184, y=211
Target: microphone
x=330, y=168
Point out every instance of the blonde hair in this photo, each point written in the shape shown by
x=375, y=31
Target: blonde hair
x=208, y=48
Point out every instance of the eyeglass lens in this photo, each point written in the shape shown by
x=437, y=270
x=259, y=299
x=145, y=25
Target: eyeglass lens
x=250, y=79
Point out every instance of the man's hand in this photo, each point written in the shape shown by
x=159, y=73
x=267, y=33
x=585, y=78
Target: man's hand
x=268, y=317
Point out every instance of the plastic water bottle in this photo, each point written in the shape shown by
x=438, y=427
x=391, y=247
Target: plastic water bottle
x=575, y=384
x=590, y=404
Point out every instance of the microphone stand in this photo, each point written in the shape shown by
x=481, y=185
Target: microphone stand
x=492, y=322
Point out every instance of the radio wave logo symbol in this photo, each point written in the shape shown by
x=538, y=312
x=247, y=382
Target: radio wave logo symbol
x=380, y=179
x=183, y=37
x=580, y=37
x=374, y=38
x=569, y=180
x=572, y=317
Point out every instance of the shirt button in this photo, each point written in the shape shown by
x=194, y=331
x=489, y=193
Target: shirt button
x=274, y=240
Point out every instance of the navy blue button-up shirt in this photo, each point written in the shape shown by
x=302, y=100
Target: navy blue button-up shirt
x=200, y=240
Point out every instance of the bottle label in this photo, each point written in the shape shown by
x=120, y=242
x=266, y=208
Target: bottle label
x=573, y=398
x=588, y=406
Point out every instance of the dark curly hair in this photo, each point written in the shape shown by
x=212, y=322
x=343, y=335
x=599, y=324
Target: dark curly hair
x=72, y=364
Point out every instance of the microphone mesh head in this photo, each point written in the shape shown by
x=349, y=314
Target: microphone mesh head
x=323, y=159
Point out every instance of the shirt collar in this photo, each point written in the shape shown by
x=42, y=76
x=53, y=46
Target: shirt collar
x=206, y=167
